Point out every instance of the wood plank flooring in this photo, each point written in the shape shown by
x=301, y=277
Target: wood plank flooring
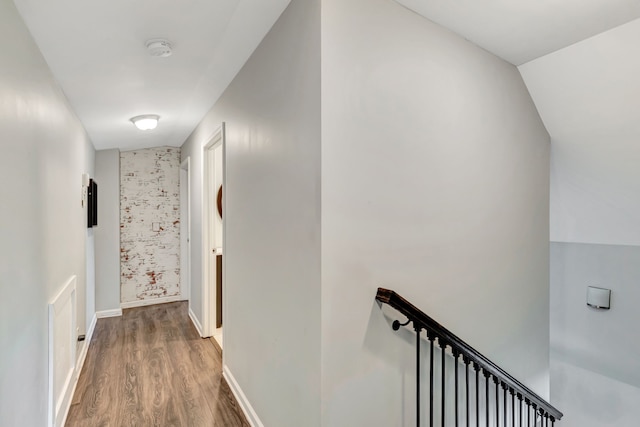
x=151, y=368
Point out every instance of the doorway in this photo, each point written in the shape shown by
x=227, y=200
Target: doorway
x=185, y=230
x=213, y=229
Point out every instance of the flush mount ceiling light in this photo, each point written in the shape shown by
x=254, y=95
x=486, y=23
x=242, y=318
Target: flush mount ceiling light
x=146, y=122
x=159, y=48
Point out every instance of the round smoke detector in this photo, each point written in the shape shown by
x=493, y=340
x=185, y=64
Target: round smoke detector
x=159, y=48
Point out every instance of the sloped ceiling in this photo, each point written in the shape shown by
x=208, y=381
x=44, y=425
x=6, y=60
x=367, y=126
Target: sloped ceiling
x=590, y=90
x=588, y=96
x=520, y=31
x=96, y=51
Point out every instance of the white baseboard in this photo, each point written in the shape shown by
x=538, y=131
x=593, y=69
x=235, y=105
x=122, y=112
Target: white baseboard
x=109, y=313
x=246, y=407
x=85, y=345
x=195, y=322
x=146, y=302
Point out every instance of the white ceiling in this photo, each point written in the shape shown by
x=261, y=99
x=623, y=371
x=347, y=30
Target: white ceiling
x=96, y=51
x=520, y=31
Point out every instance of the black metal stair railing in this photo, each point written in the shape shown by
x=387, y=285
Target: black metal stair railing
x=530, y=409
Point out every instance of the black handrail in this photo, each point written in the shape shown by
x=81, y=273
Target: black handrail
x=435, y=330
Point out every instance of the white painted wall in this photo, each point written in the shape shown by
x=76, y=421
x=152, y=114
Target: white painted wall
x=90, y=257
x=43, y=236
x=435, y=182
x=107, y=233
x=272, y=220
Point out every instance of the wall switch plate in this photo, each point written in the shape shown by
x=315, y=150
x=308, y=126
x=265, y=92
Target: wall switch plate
x=599, y=297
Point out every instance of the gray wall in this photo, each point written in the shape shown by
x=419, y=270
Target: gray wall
x=272, y=222
x=435, y=182
x=107, y=234
x=589, y=399
x=43, y=238
x=601, y=345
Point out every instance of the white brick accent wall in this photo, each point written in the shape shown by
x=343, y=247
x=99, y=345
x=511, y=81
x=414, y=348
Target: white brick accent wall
x=149, y=224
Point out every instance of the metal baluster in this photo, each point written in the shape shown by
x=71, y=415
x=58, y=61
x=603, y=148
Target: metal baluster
x=477, y=369
x=456, y=355
x=520, y=411
x=431, y=339
x=443, y=346
x=528, y=413
x=466, y=367
x=418, y=330
x=497, y=383
x=535, y=414
x=486, y=395
x=504, y=408
x=553, y=420
x=513, y=407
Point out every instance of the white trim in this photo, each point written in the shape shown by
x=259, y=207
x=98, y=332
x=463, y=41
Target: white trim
x=59, y=405
x=224, y=238
x=246, y=407
x=145, y=302
x=92, y=327
x=185, y=274
x=109, y=313
x=195, y=322
x=85, y=346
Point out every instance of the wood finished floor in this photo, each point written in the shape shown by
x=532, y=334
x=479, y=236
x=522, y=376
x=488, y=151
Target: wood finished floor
x=151, y=368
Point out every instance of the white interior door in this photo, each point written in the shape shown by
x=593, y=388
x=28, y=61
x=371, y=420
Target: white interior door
x=213, y=230
x=216, y=237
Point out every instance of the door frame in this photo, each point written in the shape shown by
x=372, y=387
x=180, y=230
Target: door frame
x=185, y=243
x=217, y=139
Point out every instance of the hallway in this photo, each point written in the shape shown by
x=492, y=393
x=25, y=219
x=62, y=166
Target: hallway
x=150, y=368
